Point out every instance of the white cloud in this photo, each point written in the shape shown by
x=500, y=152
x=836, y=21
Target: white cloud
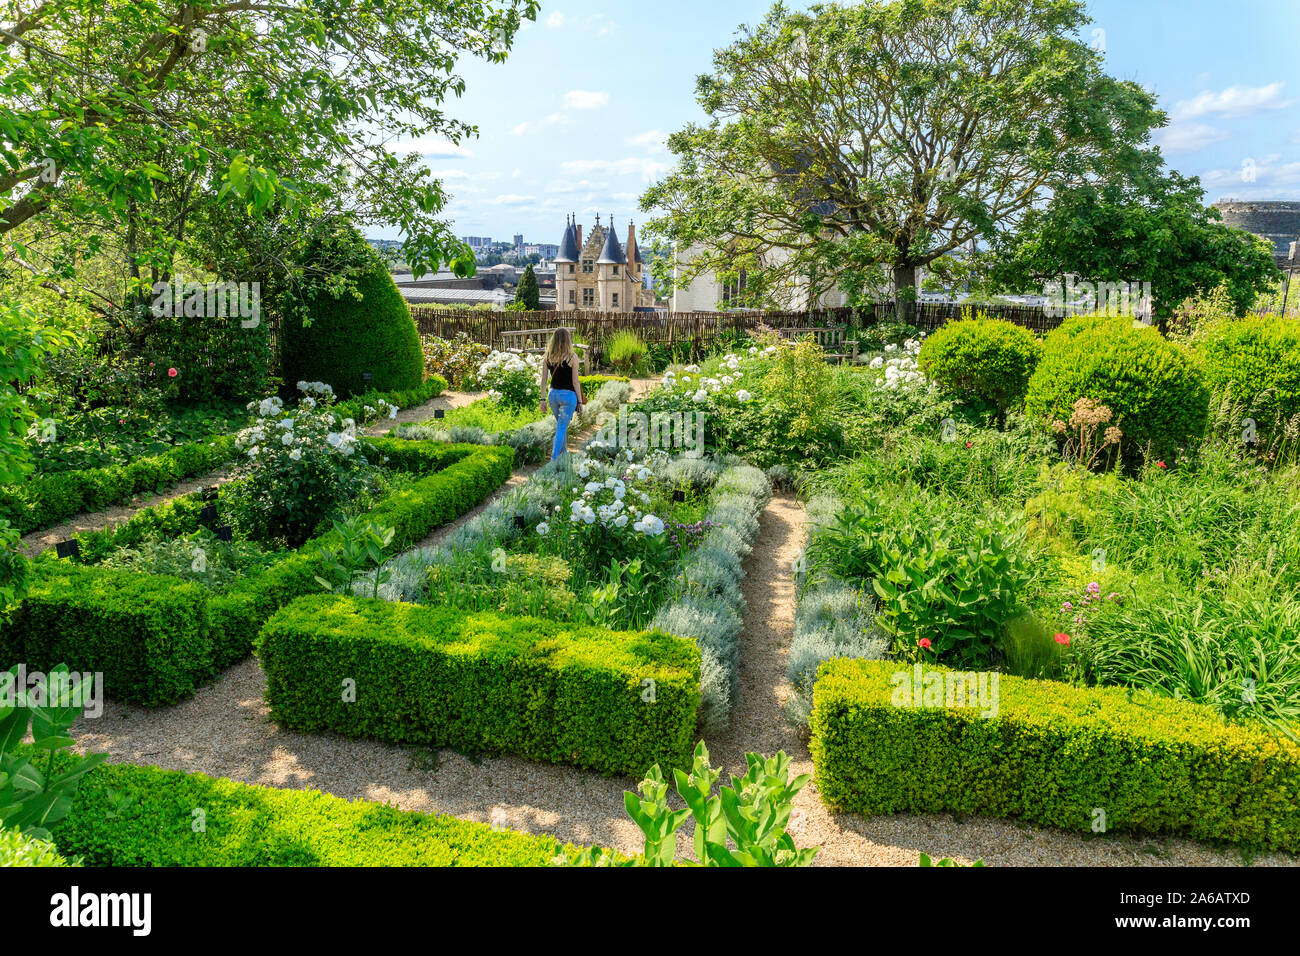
x=653, y=138
x=1266, y=174
x=647, y=169
x=578, y=186
x=516, y=174
x=533, y=126
x=512, y=199
x=1233, y=101
x=430, y=146
x=555, y=20
x=1188, y=137
x=585, y=99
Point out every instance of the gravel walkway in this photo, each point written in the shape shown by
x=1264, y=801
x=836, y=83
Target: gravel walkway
x=225, y=731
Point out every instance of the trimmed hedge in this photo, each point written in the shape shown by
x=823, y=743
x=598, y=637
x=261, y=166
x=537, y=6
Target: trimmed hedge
x=542, y=689
x=1153, y=386
x=1255, y=361
x=157, y=638
x=249, y=825
x=18, y=849
x=44, y=500
x=1051, y=755
x=989, y=359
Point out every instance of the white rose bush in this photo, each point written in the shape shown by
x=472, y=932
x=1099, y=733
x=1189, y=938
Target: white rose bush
x=511, y=377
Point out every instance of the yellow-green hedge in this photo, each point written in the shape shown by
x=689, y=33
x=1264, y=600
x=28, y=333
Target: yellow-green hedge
x=1053, y=755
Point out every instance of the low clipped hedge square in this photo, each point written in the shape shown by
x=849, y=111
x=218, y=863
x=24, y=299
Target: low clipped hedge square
x=1051, y=756
x=616, y=702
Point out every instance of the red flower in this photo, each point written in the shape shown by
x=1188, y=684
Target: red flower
x=924, y=643
x=1161, y=464
x=1062, y=638
x=172, y=373
x=970, y=444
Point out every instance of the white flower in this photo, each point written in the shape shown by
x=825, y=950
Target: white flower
x=543, y=528
x=620, y=521
x=743, y=396
x=877, y=362
x=700, y=396
x=693, y=369
x=286, y=439
x=753, y=350
x=308, y=403
x=285, y=423
x=891, y=347
x=296, y=454
x=252, y=452
x=650, y=525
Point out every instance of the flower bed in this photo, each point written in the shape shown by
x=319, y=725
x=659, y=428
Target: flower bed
x=156, y=638
x=612, y=701
x=1053, y=755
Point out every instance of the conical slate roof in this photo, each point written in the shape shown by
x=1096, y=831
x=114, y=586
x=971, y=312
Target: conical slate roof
x=612, y=251
x=569, y=245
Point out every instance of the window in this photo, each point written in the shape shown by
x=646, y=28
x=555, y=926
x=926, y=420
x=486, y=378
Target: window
x=616, y=300
x=616, y=270
x=586, y=265
x=572, y=295
x=588, y=297
x=570, y=268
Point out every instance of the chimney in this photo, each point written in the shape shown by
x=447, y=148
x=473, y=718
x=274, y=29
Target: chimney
x=579, y=225
x=632, y=258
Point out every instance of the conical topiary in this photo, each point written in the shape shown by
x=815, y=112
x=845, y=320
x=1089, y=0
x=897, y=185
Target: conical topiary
x=354, y=344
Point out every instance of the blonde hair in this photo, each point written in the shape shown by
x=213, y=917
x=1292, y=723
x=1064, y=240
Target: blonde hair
x=559, y=348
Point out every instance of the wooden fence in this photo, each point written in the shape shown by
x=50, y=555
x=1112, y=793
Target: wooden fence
x=701, y=329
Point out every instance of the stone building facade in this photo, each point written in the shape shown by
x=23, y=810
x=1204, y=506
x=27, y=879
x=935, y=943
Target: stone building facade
x=599, y=274
x=1278, y=222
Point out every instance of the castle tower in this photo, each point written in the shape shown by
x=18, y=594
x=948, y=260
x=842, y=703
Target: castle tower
x=611, y=275
x=566, y=265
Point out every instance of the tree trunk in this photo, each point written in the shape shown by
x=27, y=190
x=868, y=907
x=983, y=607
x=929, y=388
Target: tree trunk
x=905, y=292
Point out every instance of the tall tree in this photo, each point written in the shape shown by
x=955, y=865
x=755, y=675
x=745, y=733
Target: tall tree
x=105, y=104
x=528, y=295
x=847, y=143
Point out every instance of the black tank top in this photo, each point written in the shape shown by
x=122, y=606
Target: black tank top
x=562, y=376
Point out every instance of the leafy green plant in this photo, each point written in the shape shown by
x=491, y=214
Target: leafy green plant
x=945, y=861
x=945, y=590
x=32, y=797
x=361, y=549
x=744, y=824
x=626, y=351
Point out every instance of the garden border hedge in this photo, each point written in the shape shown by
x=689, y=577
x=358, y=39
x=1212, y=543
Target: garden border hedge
x=251, y=825
x=545, y=690
x=156, y=638
x=1051, y=756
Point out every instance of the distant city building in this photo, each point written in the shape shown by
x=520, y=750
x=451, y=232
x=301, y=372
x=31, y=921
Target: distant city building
x=600, y=274
x=519, y=242
x=478, y=243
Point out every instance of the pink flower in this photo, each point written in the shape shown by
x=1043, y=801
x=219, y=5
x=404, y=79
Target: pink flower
x=172, y=373
x=1062, y=638
x=1094, y=588
x=924, y=643
x=1067, y=606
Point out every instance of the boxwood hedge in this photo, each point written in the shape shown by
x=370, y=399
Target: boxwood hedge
x=156, y=638
x=612, y=701
x=248, y=825
x=1054, y=755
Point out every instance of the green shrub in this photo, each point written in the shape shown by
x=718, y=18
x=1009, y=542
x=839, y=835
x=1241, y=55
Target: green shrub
x=1053, y=755
x=127, y=815
x=616, y=702
x=1152, y=385
x=149, y=635
x=18, y=849
x=988, y=359
x=1255, y=361
x=350, y=335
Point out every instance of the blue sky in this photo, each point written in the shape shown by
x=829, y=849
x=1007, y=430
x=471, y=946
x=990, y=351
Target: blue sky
x=575, y=119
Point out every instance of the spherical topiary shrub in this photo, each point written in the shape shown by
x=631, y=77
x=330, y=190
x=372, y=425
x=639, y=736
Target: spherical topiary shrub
x=989, y=359
x=1152, y=385
x=1254, y=361
x=354, y=344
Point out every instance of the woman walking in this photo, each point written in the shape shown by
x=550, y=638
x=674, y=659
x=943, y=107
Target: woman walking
x=561, y=388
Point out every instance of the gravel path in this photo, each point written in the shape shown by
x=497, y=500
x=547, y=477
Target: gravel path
x=225, y=731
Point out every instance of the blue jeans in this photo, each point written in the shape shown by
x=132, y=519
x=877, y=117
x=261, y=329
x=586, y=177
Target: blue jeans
x=563, y=404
